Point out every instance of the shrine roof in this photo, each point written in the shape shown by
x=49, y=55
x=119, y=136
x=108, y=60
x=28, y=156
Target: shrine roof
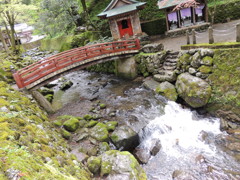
x=163, y=4
x=130, y=6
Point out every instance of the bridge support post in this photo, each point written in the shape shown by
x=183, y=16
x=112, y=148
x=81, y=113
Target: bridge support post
x=126, y=68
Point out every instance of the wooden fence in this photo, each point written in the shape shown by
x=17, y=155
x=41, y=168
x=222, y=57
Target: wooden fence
x=40, y=69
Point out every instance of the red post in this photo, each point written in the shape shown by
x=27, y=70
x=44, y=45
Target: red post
x=138, y=44
x=18, y=80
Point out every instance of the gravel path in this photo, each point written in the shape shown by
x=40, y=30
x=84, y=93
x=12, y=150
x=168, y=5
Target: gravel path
x=224, y=32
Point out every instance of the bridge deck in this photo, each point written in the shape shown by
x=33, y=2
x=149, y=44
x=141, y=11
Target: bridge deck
x=40, y=71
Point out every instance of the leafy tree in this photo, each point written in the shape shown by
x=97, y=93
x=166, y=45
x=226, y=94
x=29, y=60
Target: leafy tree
x=12, y=12
x=59, y=16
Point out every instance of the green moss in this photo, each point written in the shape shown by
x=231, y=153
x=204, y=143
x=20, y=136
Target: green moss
x=205, y=69
x=71, y=124
x=169, y=93
x=66, y=134
x=87, y=117
x=100, y=132
x=207, y=60
x=225, y=80
x=104, y=146
x=49, y=97
x=106, y=168
x=94, y=164
x=111, y=125
x=91, y=124
x=185, y=59
x=102, y=106
x=114, y=137
x=58, y=123
x=82, y=123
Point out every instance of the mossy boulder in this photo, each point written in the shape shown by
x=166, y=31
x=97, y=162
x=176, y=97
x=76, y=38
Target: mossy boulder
x=168, y=90
x=66, y=134
x=88, y=117
x=91, y=124
x=71, y=124
x=185, y=59
x=207, y=61
x=46, y=91
x=125, y=138
x=82, y=123
x=100, y=132
x=94, y=164
x=66, y=85
x=111, y=125
x=103, y=147
x=205, y=69
x=126, y=166
x=195, y=91
x=196, y=60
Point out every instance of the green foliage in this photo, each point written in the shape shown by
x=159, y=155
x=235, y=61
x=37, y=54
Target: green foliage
x=225, y=9
x=58, y=17
x=154, y=27
x=151, y=11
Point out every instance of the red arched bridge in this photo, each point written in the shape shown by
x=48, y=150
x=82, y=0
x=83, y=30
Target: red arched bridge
x=50, y=67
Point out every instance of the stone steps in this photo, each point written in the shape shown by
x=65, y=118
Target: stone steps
x=169, y=63
x=171, y=60
x=169, y=68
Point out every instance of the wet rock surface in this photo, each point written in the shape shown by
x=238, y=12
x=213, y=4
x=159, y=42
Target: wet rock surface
x=195, y=91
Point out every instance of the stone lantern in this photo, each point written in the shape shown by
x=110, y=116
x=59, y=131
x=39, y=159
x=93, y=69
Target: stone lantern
x=123, y=18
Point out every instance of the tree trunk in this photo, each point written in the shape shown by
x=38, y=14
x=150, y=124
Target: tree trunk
x=13, y=40
x=3, y=42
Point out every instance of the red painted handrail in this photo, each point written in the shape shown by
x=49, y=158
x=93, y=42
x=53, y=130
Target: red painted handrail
x=38, y=70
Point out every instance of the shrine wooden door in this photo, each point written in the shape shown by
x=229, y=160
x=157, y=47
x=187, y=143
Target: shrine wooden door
x=125, y=28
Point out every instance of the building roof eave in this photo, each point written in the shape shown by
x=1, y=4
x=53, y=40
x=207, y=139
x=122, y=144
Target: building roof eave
x=121, y=10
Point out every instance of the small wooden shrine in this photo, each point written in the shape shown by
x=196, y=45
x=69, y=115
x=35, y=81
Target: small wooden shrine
x=184, y=13
x=123, y=18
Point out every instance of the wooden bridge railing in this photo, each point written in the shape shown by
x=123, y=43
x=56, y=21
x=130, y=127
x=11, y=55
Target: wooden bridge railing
x=56, y=62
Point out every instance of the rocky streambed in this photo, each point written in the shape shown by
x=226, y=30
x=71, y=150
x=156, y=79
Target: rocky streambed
x=170, y=141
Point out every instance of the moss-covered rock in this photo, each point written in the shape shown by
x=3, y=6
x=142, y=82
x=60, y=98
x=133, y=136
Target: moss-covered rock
x=66, y=85
x=125, y=138
x=66, y=134
x=205, y=69
x=94, y=164
x=88, y=117
x=100, y=132
x=185, y=59
x=103, y=147
x=207, y=60
x=71, y=124
x=195, y=91
x=168, y=90
x=126, y=166
x=111, y=125
x=91, y=124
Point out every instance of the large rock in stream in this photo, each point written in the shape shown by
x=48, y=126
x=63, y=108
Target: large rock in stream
x=121, y=165
x=124, y=138
x=195, y=91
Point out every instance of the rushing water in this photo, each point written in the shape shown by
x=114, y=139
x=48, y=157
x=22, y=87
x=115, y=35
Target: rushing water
x=188, y=140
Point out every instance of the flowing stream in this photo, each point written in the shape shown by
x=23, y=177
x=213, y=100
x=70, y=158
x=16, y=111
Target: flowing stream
x=192, y=144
